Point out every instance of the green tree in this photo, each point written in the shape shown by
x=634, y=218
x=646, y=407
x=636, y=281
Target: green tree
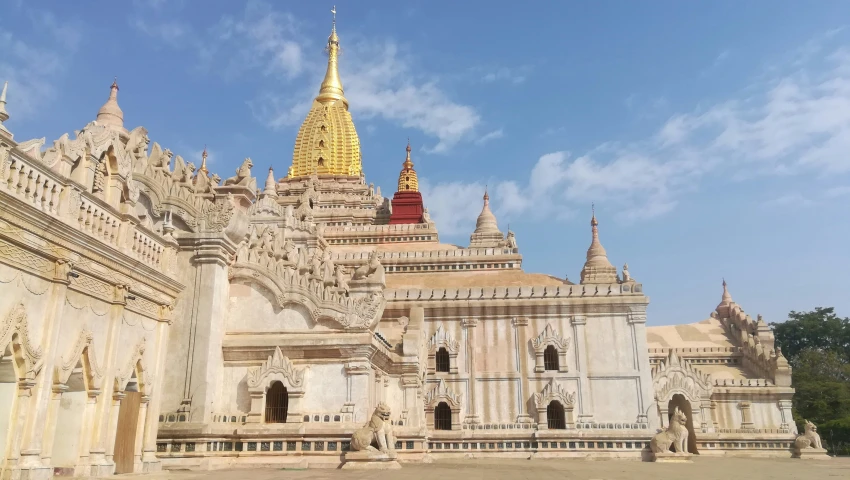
x=820, y=329
x=817, y=345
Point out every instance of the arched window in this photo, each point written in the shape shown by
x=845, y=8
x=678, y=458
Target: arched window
x=555, y=416
x=442, y=360
x=443, y=417
x=277, y=403
x=321, y=162
x=550, y=358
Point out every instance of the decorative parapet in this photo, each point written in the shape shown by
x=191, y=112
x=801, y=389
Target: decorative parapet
x=511, y=293
x=757, y=343
x=110, y=222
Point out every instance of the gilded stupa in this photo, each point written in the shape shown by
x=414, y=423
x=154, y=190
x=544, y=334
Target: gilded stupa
x=407, y=179
x=327, y=142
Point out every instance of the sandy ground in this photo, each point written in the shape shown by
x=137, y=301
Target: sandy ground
x=498, y=469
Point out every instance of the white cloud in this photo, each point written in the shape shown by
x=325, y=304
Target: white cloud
x=789, y=200
x=504, y=74
x=487, y=137
x=31, y=69
x=378, y=76
x=797, y=123
x=837, y=191
x=454, y=206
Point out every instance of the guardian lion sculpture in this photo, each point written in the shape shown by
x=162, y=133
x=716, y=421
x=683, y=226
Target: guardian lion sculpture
x=676, y=435
x=377, y=431
x=810, y=439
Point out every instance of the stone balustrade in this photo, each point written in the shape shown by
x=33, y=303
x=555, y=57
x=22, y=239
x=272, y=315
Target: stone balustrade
x=46, y=190
x=509, y=293
x=427, y=254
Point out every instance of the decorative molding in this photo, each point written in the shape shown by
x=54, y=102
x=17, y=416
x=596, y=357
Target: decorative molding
x=441, y=338
x=554, y=391
x=279, y=367
x=134, y=364
x=83, y=351
x=442, y=393
x=676, y=375
x=15, y=323
x=550, y=337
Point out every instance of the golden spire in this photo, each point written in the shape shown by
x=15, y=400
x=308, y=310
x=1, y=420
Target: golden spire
x=407, y=179
x=4, y=115
x=331, y=89
x=203, y=170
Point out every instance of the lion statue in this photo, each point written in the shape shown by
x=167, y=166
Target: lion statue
x=378, y=432
x=810, y=439
x=243, y=176
x=372, y=268
x=676, y=435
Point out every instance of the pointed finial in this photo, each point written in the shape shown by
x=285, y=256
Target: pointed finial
x=331, y=89
x=333, y=11
x=203, y=170
x=486, y=196
x=408, y=147
x=115, y=83
x=4, y=115
x=593, y=221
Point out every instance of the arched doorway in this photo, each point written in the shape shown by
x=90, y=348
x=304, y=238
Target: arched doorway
x=277, y=403
x=8, y=399
x=555, y=416
x=443, y=417
x=684, y=406
x=128, y=422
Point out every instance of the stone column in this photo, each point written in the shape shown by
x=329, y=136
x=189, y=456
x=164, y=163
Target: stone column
x=468, y=325
x=359, y=374
x=714, y=422
x=101, y=435
x=149, y=461
x=521, y=334
x=50, y=424
x=207, y=329
x=141, y=424
x=114, y=409
x=787, y=418
x=585, y=397
x=665, y=414
x=705, y=416
x=746, y=416
x=40, y=392
x=637, y=324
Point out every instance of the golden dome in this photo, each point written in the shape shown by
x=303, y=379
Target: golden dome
x=407, y=180
x=327, y=142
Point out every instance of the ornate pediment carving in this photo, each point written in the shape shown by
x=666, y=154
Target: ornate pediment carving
x=677, y=375
x=135, y=364
x=550, y=337
x=15, y=328
x=442, y=393
x=554, y=391
x=442, y=338
x=280, y=367
x=83, y=351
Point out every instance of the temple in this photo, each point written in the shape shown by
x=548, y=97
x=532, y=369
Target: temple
x=154, y=316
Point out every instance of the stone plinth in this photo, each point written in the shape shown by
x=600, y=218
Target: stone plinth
x=671, y=457
x=811, y=454
x=407, y=208
x=371, y=461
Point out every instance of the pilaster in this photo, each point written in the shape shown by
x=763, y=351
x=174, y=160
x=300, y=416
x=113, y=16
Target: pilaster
x=40, y=395
x=520, y=325
x=585, y=396
x=206, y=316
x=637, y=324
x=468, y=325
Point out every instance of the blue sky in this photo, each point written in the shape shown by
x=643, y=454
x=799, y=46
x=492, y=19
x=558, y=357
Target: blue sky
x=713, y=137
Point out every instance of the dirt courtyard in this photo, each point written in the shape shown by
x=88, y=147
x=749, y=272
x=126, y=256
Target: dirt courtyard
x=702, y=468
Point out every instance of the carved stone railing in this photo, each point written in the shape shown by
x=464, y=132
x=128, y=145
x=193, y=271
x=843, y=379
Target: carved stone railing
x=510, y=293
x=387, y=229
x=743, y=382
x=35, y=184
x=427, y=254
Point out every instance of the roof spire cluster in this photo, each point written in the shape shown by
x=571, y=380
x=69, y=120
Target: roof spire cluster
x=597, y=268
